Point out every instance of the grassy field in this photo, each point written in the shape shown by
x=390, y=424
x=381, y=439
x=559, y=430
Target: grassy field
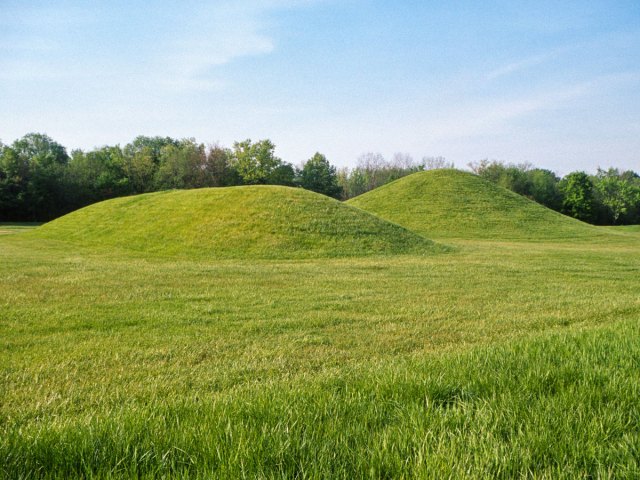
x=626, y=229
x=489, y=359
x=7, y=228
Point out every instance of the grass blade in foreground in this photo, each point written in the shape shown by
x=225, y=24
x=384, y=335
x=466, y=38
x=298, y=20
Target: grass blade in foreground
x=561, y=406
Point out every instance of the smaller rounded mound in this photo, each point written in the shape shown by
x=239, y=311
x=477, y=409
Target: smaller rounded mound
x=270, y=222
x=452, y=204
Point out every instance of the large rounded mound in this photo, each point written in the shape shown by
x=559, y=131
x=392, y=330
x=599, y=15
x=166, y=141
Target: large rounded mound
x=235, y=222
x=454, y=204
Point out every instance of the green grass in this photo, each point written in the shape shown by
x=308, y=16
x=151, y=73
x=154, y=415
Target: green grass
x=7, y=228
x=268, y=332
x=559, y=406
x=497, y=359
x=626, y=228
x=451, y=204
x=236, y=222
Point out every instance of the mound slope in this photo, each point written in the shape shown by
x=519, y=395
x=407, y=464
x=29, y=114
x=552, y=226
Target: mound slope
x=456, y=204
x=235, y=222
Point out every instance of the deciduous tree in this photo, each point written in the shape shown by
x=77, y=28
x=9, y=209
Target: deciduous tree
x=320, y=176
x=578, y=200
x=255, y=162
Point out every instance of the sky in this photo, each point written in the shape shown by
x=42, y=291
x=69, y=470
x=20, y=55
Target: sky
x=555, y=84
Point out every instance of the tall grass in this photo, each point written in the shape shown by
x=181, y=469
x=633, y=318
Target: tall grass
x=564, y=405
x=497, y=359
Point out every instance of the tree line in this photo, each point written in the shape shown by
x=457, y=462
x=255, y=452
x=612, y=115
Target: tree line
x=609, y=197
x=40, y=180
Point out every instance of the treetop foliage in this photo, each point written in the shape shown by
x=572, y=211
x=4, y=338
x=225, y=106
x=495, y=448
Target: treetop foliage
x=320, y=176
x=373, y=171
x=40, y=181
x=610, y=197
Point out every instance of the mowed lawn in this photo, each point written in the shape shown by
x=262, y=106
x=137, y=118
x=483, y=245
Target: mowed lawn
x=494, y=359
x=7, y=228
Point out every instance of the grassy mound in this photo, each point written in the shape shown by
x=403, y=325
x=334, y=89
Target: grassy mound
x=235, y=222
x=456, y=204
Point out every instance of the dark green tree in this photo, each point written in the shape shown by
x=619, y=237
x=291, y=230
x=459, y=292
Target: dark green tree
x=32, y=178
x=99, y=175
x=617, y=193
x=142, y=161
x=9, y=189
x=140, y=169
x=510, y=176
x=543, y=188
x=353, y=182
x=152, y=146
x=283, y=174
x=318, y=175
x=578, y=196
x=632, y=216
x=218, y=169
x=182, y=166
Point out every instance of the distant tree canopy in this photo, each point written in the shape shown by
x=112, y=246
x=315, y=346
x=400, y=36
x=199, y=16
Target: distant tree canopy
x=373, y=171
x=578, y=198
x=32, y=178
x=39, y=180
x=610, y=197
x=618, y=196
x=318, y=175
x=255, y=163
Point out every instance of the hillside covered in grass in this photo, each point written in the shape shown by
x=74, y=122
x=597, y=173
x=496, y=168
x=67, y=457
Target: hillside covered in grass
x=455, y=204
x=235, y=222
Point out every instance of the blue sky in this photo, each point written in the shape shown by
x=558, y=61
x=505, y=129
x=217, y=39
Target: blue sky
x=553, y=83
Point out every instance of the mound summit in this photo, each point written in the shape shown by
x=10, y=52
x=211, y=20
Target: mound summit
x=455, y=204
x=235, y=222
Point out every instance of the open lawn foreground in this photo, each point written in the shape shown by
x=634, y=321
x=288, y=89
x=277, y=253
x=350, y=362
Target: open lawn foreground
x=490, y=359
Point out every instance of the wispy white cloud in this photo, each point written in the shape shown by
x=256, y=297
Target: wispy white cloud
x=181, y=55
x=435, y=127
x=34, y=43
x=215, y=35
x=491, y=117
x=526, y=63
